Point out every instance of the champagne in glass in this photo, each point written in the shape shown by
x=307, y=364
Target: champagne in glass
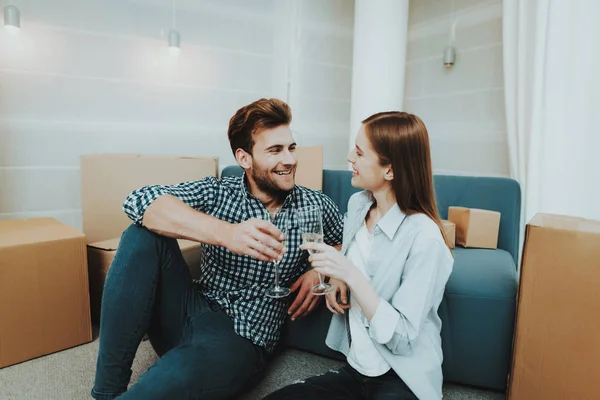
x=311, y=226
x=312, y=238
x=281, y=220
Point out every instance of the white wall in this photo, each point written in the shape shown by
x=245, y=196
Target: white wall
x=91, y=76
x=463, y=107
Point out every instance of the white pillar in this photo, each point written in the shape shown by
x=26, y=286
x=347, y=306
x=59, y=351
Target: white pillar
x=379, y=60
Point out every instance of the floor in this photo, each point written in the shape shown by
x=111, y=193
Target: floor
x=69, y=375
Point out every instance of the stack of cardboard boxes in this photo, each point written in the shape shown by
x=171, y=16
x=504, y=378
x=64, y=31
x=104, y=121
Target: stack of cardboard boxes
x=45, y=283
x=472, y=227
x=106, y=180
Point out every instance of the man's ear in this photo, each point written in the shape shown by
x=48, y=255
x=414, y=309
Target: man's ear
x=243, y=159
x=389, y=174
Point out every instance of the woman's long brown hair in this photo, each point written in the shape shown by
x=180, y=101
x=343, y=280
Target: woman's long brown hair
x=401, y=140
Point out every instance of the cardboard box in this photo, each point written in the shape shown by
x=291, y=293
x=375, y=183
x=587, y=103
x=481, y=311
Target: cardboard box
x=557, y=340
x=101, y=255
x=450, y=231
x=310, y=167
x=475, y=227
x=107, y=179
x=44, y=297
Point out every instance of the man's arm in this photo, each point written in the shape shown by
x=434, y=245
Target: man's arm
x=180, y=211
x=169, y=216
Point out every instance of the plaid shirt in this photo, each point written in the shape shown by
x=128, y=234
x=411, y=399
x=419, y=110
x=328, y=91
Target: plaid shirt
x=238, y=282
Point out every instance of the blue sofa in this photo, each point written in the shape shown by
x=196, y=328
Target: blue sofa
x=478, y=310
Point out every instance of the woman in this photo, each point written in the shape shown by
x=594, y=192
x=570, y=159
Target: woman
x=395, y=261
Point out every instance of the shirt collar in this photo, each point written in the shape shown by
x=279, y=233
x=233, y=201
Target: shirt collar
x=390, y=222
x=243, y=189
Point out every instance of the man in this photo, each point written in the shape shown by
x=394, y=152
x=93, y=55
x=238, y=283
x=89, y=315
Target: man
x=213, y=336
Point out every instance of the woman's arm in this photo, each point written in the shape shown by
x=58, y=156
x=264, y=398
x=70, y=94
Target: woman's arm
x=395, y=324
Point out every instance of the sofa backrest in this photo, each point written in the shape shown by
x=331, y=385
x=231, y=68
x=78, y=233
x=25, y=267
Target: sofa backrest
x=489, y=193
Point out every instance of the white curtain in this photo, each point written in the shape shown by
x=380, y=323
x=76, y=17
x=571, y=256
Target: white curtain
x=552, y=99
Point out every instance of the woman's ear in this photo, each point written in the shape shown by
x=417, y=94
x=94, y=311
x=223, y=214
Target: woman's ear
x=243, y=159
x=389, y=174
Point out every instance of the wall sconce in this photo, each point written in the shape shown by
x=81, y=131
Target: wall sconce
x=449, y=52
x=449, y=56
x=174, y=36
x=12, y=20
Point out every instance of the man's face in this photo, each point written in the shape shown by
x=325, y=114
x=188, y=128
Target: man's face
x=273, y=169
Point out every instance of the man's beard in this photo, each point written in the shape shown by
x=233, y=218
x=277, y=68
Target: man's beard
x=266, y=183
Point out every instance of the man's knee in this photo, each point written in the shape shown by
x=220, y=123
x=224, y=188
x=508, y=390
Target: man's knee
x=136, y=232
x=139, y=238
x=140, y=245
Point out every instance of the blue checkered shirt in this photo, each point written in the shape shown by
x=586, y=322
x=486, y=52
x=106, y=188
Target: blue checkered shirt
x=238, y=282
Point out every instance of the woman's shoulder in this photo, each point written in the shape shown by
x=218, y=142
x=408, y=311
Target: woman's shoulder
x=358, y=199
x=424, y=227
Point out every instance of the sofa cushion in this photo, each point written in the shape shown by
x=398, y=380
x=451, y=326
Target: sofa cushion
x=483, y=273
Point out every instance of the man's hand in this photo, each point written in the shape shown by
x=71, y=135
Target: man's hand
x=255, y=238
x=340, y=290
x=305, y=301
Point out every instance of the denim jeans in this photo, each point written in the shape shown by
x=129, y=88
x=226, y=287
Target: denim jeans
x=346, y=383
x=149, y=289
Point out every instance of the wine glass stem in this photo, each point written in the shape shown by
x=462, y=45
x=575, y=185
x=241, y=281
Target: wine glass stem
x=320, y=279
x=276, y=274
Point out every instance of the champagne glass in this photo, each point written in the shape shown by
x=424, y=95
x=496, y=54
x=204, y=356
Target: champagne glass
x=281, y=220
x=310, y=222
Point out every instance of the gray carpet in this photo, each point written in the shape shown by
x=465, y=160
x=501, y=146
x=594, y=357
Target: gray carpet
x=69, y=375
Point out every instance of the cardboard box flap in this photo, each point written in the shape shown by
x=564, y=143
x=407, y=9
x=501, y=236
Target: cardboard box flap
x=561, y=222
x=187, y=244
x=108, y=245
x=27, y=231
x=158, y=157
x=112, y=244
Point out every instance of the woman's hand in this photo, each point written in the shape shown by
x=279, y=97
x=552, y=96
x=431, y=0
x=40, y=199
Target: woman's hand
x=328, y=261
x=339, y=291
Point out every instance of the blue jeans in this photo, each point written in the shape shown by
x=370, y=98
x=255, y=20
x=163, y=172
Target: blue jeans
x=346, y=383
x=149, y=289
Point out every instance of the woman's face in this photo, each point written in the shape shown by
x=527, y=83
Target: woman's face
x=367, y=173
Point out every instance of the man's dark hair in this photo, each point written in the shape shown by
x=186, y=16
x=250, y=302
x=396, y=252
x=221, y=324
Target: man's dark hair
x=256, y=117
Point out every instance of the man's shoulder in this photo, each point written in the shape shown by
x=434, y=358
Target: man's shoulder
x=229, y=181
x=222, y=186
x=310, y=196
